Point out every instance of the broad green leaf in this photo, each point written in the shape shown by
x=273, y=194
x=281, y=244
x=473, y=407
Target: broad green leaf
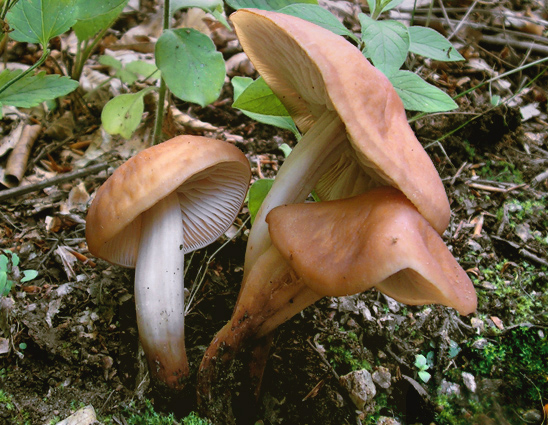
x=280, y=119
x=319, y=16
x=425, y=376
x=31, y=90
x=257, y=193
x=386, y=43
x=133, y=71
x=29, y=275
x=417, y=95
x=265, y=4
x=5, y=285
x=143, y=69
x=431, y=44
x=286, y=149
x=207, y=5
x=111, y=61
x=191, y=67
x=258, y=97
x=122, y=115
x=383, y=6
x=3, y=263
x=14, y=259
x=95, y=16
x=87, y=9
x=38, y=21
x=389, y=5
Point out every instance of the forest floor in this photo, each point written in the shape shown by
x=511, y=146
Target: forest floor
x=69, y=338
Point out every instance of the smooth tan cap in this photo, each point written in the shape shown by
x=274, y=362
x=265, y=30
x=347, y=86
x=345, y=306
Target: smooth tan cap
x=210, y=177
x=377, y=239
x=314, y=71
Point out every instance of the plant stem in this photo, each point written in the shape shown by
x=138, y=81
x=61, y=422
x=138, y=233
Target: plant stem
x=162, y=94
x=82, y=57
x=45, y=54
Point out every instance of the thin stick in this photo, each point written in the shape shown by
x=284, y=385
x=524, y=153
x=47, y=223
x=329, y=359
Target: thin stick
x=22, y=190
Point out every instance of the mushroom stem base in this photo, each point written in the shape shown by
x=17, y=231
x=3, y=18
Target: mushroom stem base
x=273, y=293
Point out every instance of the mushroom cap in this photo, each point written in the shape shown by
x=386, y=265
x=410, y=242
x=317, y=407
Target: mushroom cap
x=313, y=70
x=377, y=239
x=210, y=177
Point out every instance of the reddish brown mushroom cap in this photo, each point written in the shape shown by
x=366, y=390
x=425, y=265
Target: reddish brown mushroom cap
x=320, y=77
x=377, y=239
x=210, y=177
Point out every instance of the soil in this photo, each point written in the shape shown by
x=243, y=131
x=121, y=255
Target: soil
x=72, y=332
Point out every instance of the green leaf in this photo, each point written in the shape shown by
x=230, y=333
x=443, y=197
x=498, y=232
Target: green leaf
x=286, y=149
x=431, y=44
x=425, y=376
x=257, y=193
x=261, y=101
x=420, y=362
x=191, y=67
x=207, y=5
x=133, y=71
x=454, y=349
x=31, y=90
x=258, y=97
x=14, y=259
x=265, y=4
x=417, y=95
x=143, y=69
x=29, y=275
x=95, y=16
x=5, y=284
x=122, y=115
x=3, y=263
x=319, y=16
x=389, y=5
x=38, y=21
x=386, y=43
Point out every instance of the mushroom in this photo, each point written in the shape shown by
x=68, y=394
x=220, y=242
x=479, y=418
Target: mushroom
x=377, y=239
x=337, y=248
x=166, y=201
x=356, y=134
x=356, y=137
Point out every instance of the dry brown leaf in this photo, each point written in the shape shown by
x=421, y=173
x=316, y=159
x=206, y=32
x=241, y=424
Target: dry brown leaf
x=17, y=161
x=497, y=322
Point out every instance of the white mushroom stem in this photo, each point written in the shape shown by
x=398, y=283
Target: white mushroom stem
x=159, y=290
x=318, y=150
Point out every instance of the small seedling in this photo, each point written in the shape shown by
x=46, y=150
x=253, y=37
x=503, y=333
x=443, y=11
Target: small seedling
x=422, y=365
x=9, y=272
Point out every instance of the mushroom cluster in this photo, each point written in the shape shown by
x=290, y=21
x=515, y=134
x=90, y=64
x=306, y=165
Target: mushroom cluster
x=166, y=201
x=384, y=205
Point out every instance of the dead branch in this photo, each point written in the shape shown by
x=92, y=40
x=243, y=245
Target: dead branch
x=18, y=191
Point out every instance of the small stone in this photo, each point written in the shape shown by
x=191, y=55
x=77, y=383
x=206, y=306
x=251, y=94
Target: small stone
x=449, y=388
x=469, y=381
x=360, y=387
x=532, y=416
x=382, y=377
x=386, y=420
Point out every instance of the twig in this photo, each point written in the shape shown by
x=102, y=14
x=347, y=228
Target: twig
x=526, y=45
x=463, y=20
x=494, y=189
x=19, y=191
x=539, y=178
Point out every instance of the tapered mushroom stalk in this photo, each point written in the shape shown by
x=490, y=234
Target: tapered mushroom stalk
x=159, y=289
x=168, y=200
